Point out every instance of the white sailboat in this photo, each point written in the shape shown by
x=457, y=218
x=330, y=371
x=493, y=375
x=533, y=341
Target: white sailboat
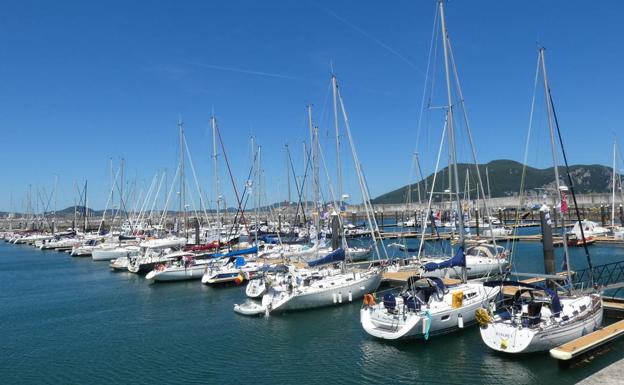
x=540, y=319
x=184, y=268
x=325, y=287
x=427, y=306
x=232, y=269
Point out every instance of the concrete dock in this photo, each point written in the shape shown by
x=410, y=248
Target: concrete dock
x=611, y=375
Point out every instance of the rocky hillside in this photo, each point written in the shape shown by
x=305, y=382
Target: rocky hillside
x=505, y=176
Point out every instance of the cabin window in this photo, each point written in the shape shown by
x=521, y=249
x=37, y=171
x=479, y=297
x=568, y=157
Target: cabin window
x=444, y=318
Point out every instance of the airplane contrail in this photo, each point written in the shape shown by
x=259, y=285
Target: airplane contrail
x=368, y=35
x=248, y=72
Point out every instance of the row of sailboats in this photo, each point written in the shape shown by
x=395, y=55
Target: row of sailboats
x=536, y=318
x=439, y=297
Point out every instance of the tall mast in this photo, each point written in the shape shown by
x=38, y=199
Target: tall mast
x=312, y=155
x=182, y=178
x=316, y=195
x=213, y=122
x=487, y=178
x=338, y=163
x=84, y=209
x=305, y=166
x=422, y=178
x=287, y=175
x=451, y=128
x=613, y=189
x=551, y=126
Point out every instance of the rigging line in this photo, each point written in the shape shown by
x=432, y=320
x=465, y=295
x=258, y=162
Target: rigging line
x=227, y=162
x=147, y=198
x=162, y=178
x=430, y=59
x=107, y=202
x=576, y=209
x=525, y=160
x=202, y=205
x=428, y=215
x=244, y=204
x=362, y=181
x=470, y=139
x=299, y=191
x=188, y=186
x=553, y=149
x=371, y=37
x=163, y=216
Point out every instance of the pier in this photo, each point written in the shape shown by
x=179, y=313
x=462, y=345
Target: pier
x=579, y=346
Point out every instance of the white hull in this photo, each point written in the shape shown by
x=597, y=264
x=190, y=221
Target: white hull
x=256, y=288
x=177, y=273
x=324, y=296
x=120, y=263
x=249, y=308
x=110, y=254
x=440, y=317
x=510, y=338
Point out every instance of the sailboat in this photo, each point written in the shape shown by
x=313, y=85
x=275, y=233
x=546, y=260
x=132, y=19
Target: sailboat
x=329, y=286
x=540, y=319
x=329, y=281
x=429, y=305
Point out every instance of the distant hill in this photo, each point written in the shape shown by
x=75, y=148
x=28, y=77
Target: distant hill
x=505, y=178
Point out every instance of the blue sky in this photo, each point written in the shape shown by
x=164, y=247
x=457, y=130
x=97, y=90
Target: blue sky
x=85, y=82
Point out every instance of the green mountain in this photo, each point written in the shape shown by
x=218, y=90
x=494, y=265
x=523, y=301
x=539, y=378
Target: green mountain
x=505, y=176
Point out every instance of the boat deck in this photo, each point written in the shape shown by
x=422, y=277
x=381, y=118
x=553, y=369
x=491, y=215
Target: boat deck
x=402, y=276
x=511, y=290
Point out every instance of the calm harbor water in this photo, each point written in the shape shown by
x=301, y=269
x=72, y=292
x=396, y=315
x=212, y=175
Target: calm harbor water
x=72, y=320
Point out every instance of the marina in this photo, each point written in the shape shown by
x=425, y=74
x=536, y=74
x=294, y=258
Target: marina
x=369, y=243
x=81, y=303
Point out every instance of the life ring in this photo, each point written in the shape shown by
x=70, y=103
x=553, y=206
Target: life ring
x=369, y=300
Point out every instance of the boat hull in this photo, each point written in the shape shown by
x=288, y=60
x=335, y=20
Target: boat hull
x=509, y=338
x=377, y=322
x=176, y=274
x=328, y=297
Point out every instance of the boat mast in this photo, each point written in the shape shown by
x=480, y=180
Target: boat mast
x=338, y=163
x=182, y=179
x=288, y=196
x=315, y=194
x=213, y=122
x=84, y=209
x=613, y=189
x=487, y=178
x=551, y=127
x=451, y=128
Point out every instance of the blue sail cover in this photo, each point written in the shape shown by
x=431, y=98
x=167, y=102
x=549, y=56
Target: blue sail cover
x=251, y=250
x=458, y=260
x=335, y=256
x=240, y=262
x=555, y=302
